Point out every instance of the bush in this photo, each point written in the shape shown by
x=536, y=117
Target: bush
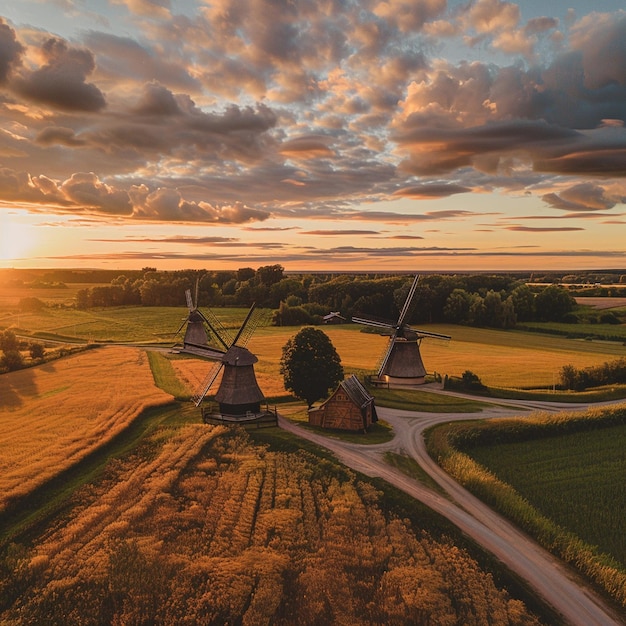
x=36, y=350
x=31, y=304
x=471, y=381
x=609, y=318
x=610, y=373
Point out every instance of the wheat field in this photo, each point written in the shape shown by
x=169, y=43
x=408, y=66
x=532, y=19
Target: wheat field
x=209, y=529
x=53, y=415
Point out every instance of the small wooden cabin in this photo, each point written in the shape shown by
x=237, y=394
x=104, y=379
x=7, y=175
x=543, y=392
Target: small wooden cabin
x=350, y=407
x=334, y=317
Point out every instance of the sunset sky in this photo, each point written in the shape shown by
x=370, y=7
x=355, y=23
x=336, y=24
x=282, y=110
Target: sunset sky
x=410, y=135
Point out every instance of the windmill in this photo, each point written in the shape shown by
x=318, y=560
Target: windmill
x=401, y=363
x=196, y=338
x=238, y=395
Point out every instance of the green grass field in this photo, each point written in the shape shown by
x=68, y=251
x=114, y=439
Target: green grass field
x=577, y=480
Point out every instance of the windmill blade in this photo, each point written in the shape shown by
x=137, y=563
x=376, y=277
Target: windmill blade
x=190, y=305
x=181, y=327
x=426, y=333
x=385, y=357
x=375, y=323
x=197, y=287
x=408, y=303
x=250, y=324
x=206, y=383
x=223, y=335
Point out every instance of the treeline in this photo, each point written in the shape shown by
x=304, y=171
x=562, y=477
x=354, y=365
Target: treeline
x=266, y=286
x=498, y=301
x=478, y=300
x=609, y=373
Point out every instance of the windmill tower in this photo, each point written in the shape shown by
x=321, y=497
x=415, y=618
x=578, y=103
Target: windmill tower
x=239, y=396
x=401, y=363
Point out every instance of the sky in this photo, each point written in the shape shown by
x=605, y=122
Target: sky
x=372, y=135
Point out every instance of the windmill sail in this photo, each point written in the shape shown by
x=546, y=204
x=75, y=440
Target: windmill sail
x=207, y=383
x=408, y=303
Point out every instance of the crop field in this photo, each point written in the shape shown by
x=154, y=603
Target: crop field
x=579, y=483
x=602, y=303
x=558, y=476
x=207, y=528
x=512, y=359
x=53, y=415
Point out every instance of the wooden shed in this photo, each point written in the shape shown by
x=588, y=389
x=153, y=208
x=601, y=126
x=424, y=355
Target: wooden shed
x=334, y=317
x=350, y=407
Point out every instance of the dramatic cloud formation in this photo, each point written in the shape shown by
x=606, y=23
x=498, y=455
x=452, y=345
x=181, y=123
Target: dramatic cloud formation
x=248, y=116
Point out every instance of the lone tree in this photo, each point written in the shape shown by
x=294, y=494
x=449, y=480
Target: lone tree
x=310, y=365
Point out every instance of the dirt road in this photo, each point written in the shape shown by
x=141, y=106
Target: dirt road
x=550, y=578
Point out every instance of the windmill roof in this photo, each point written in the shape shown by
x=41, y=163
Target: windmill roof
x=356, y=392
x=239, y=356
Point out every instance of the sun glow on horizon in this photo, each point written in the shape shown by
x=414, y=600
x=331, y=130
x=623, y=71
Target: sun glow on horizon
x=16, y=238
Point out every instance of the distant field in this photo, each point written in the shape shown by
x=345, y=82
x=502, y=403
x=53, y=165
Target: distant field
x=513, y=358
x=53, y=415
x=602, y=303
x=10, y=296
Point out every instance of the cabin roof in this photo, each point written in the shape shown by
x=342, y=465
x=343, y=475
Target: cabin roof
x=356, y=392
x=333, y=315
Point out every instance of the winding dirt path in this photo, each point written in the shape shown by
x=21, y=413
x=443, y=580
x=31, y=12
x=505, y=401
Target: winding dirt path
x=549, y=577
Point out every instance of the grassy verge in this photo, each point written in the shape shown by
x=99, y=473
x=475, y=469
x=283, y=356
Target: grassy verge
x=412, y=468
x=417, y=400
x=450, y=445
x=600, y=394
x=165, y=377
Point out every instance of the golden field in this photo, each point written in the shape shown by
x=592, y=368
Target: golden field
x=509, y=359
x=53, y=415
x=210, y=529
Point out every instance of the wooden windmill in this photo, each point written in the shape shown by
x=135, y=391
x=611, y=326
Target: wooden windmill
x=238, y=395
x=401, y=363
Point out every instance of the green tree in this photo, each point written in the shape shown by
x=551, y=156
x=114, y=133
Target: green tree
x=553, y=303
x=524, y=303
x=270, y=274
x=9, y=341
x=310, y=365
x=12, y=360
x=457, y=307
